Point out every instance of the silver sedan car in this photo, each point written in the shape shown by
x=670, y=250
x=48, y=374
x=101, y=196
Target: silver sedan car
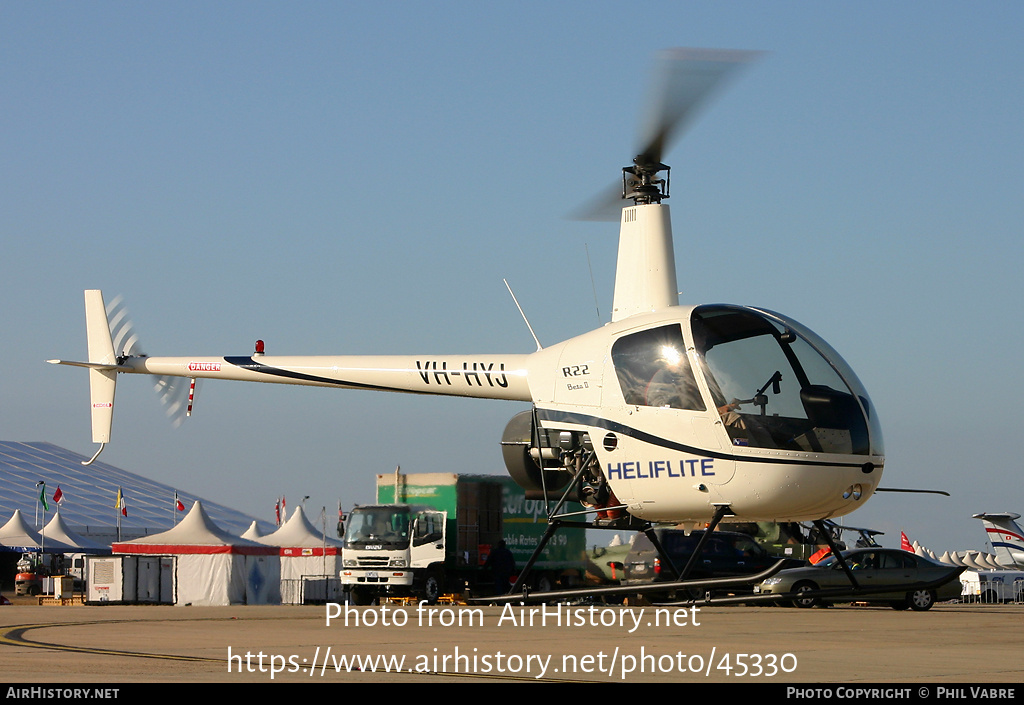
x=917, y=582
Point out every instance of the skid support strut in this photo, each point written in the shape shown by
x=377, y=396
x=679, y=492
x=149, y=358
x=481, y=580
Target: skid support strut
x=553, y=526
x=721, y=511
x=823, y=530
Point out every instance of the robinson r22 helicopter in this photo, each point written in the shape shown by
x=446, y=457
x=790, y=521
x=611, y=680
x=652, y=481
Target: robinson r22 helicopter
x=669, y=413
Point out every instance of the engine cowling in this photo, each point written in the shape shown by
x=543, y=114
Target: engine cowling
x=525, y=449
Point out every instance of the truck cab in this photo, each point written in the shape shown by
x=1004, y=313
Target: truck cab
x=394, y=549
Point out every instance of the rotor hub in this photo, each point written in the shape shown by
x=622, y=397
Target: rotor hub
x=640, y=182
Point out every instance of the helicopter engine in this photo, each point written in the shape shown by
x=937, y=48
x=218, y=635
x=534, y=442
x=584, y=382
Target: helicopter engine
x=544, y=461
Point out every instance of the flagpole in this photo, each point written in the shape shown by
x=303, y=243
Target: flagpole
x=323, y=520
x=42, y=533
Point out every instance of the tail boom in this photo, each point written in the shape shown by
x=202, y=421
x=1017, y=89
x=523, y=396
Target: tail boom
x=481, y=376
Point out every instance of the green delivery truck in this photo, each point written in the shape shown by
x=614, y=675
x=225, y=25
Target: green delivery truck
x=431, y=534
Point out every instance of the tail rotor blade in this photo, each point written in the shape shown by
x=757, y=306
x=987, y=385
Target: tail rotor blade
x=173, y=393
x=126, y=341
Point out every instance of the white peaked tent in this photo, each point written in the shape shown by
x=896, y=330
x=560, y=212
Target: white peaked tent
x=253, y=532
x=304, y=552
x=17, y=535
x=212, y=567
x=57, y=530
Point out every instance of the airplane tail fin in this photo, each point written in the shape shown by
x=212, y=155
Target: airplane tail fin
x=1006, y=536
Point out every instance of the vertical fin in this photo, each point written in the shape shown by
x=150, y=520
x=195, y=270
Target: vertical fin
x=101, y=382
x=1006, y=537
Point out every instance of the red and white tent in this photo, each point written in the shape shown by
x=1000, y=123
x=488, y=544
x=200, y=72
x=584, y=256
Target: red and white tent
x=305, y=553
x=303, y=549
x=212, y=567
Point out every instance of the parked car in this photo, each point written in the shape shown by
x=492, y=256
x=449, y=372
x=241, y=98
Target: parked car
x=725, y=554
x=872, y=567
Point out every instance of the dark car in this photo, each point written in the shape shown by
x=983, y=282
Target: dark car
x=725, y=554
x=910, y=575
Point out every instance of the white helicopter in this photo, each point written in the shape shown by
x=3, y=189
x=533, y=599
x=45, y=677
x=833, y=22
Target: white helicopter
x=668, y=413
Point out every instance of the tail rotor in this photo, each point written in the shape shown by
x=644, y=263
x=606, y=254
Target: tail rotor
x=175, y=393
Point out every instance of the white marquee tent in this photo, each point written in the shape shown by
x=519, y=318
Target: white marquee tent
x=305, y=553
x=253, y=532
x=16, y=535
x=57, y=529
x=303, y=549
x=212, y=567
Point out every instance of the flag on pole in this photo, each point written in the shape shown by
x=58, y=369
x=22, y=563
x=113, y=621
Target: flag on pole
x=277, y=512
x=58, y=496
x=905, y=543
x=42, y=495
x=121, y=504
x=177, y=503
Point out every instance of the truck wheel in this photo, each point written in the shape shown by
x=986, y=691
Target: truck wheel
x=433, y=587
x=544, y=583
x=361, y=597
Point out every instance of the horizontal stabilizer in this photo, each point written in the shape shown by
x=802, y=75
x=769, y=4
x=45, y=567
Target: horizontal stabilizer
x=90, y=365
x=991, y=516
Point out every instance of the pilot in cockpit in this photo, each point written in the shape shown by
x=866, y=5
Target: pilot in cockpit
x=727, y=410
x=673, y=385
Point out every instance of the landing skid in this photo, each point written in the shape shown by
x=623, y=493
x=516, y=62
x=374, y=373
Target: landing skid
x=706, y=586
x=625, y=590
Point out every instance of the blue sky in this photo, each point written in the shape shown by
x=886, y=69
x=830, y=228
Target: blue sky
x=339, y=177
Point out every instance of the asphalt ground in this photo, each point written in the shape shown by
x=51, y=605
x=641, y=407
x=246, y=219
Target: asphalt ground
x=843, y=645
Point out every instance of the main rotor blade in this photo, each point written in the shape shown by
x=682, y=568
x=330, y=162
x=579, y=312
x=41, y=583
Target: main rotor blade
x=684, y=80
x=606, y=206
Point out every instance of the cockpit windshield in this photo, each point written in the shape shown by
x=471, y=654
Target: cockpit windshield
x=777, y=385
x=387, y=527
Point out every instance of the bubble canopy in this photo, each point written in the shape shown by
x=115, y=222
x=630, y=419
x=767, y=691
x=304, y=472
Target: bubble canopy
x=774, y=383
x=786, y=387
